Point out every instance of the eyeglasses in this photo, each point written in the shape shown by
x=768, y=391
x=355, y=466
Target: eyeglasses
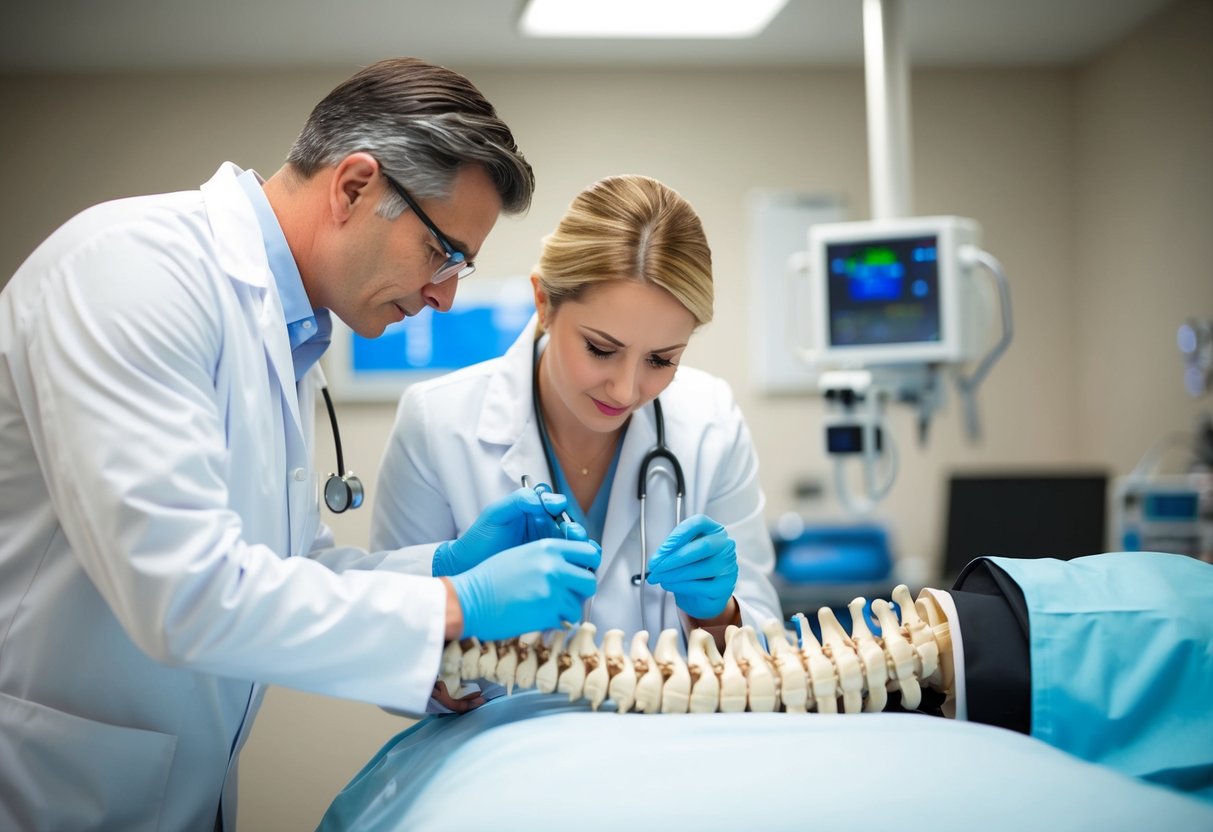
x=457, y=264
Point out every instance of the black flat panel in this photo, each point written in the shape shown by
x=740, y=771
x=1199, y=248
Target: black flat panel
x=1024, y=515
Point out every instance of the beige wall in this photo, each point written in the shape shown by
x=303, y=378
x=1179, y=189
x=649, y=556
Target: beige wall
x=1093, y=186
x=1143, y=231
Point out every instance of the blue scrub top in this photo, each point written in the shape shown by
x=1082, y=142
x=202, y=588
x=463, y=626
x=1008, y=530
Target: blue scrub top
x=593, y=521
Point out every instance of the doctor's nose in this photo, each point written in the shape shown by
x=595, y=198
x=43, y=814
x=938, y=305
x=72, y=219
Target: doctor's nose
x=441, y=296
x=622, y=386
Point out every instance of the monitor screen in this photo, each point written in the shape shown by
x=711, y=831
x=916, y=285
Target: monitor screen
x=1024, y=515
x=883, y=292
x=468, y=333
x=487, y=318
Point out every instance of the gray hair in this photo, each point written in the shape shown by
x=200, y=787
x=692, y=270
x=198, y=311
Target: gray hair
x=422, y=123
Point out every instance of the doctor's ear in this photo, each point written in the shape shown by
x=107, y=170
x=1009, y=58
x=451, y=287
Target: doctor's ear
x=541, y=300
x=352, y=180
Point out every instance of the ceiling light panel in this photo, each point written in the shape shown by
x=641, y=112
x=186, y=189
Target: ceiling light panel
x=647, y=18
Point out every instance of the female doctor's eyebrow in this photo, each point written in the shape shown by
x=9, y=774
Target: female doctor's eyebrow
x=618, y=343
x=606, y=337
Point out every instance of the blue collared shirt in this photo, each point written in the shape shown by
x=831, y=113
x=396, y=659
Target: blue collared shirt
x=310, y=331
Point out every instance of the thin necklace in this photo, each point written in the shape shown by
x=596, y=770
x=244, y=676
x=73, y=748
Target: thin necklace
x=584, y=468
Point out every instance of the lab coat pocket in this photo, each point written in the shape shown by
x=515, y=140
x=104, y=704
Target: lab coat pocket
x=60, y=771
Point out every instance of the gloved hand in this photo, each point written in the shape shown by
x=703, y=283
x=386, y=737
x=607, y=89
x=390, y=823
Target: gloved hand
x=698, y=564
x=519, y=518
x=573, y=530
x=536, y=586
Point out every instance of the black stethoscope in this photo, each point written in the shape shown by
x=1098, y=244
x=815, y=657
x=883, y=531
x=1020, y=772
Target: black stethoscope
x=341, y=491
x=660, y=451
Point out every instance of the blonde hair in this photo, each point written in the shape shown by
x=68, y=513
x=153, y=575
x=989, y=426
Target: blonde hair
x=629, y=228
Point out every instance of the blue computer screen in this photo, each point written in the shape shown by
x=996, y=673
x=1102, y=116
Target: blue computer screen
x=447, y=341
x=883, y=292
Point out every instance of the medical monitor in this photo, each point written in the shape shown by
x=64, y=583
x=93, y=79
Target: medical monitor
x=893, y=292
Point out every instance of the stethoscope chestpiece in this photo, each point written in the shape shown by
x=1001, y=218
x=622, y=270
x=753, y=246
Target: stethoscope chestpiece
x=343, y=493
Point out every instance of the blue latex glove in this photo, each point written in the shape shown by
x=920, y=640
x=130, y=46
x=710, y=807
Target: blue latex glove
x=519, y=518
x=536, y=586
x=573, y=530
x=698, y=564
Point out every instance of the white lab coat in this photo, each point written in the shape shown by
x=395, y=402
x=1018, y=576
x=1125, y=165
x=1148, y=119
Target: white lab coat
x=465, y=439
x=156, y=475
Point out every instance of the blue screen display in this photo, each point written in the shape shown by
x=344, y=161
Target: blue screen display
x=1171, y=506
x=467, y=334
x=883, y=292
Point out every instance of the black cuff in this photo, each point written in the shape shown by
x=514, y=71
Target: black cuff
x=995, y=638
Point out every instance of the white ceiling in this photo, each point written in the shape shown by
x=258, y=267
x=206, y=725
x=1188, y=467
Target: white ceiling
x=99, y=35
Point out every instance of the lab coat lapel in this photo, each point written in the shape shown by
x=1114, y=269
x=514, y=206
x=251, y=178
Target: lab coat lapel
x=303, y=508
x=241, y=254
x=525, y=456
x=278, y=352
x=238, y=245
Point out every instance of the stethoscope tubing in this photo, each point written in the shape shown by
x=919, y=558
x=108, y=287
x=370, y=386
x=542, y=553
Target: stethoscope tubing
x=661, y=452
x=343, y=490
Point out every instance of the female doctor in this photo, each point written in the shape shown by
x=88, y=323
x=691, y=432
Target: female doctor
x=619, y=288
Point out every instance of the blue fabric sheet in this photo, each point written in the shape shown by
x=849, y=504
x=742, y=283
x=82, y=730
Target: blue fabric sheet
x=1122, y=662
x=531, y=761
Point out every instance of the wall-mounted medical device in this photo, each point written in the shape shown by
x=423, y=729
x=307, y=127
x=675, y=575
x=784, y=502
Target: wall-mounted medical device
x=894, y=292
x=894, y=307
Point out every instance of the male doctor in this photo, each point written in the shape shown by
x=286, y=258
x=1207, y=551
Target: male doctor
x=157, y=476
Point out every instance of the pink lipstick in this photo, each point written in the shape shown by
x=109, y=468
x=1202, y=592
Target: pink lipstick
x=607, y=409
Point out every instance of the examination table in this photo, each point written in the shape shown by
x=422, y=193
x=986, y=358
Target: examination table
x=535, y=761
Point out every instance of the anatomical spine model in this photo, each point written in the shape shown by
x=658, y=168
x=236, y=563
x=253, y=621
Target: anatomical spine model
x=855, y=670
